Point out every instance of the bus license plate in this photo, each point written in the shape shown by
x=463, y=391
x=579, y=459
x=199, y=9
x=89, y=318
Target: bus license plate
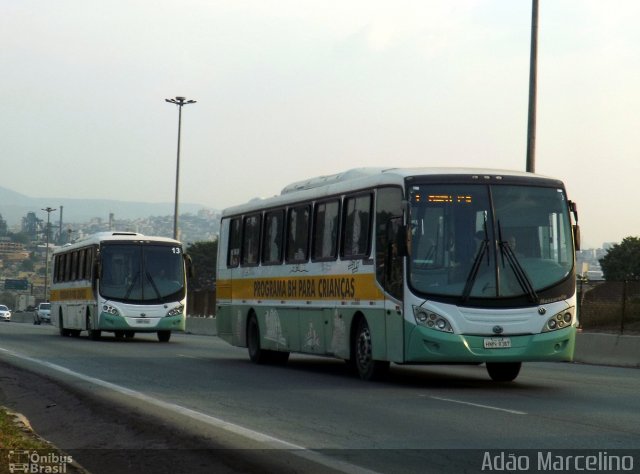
x=143, y=321
x=497, y=342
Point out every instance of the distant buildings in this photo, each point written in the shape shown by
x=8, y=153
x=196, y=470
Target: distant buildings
x=588, y=262
x=24, y=258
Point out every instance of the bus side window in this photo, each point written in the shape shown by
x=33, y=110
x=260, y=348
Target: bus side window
x=325, y=230
x=74, y=265
x=67, y=267
x=89, y=263
x=251, y=240
x=389, y=248
x=81, y=264
x=233, y=257
x=357, y=228
x=298, y=234
x=272, y=238
x=56, y=265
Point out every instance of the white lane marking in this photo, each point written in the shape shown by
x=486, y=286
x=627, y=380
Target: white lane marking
x=489, y=407
x=270, y=441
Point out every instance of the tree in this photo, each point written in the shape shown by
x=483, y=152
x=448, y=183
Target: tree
x=622, y=261
x=20, y=238
x=204, y=256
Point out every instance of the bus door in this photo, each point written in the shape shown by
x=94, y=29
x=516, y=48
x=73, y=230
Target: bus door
x=228, y=265
x=390, y=251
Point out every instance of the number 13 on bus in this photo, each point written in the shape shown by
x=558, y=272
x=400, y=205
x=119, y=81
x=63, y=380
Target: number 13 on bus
x=410, y=266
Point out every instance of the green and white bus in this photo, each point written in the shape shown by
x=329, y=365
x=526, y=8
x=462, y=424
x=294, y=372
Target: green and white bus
x=120, y=282
x=410, y=266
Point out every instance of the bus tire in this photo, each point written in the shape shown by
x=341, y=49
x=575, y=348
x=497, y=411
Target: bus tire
x=129, y=334
x=94, y=334
x=164, y=336
x=119, y=334
x=256, y=353
x=503, y=371
x=367, y=368
x=63, y=332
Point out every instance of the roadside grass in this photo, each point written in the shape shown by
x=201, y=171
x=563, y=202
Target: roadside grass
x=22, y=450
x=16, y=434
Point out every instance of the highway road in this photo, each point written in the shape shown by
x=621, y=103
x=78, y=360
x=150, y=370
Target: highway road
x=421, y=419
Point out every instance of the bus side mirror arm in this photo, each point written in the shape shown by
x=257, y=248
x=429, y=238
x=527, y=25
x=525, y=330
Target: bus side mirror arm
x=573, y=208
x=401, y=242
x=189, y=266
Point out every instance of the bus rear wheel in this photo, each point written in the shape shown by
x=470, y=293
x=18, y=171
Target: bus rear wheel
x=164, y=336
x=503, y=371
x=63, y=332
x=256, y=353
x=368, y=369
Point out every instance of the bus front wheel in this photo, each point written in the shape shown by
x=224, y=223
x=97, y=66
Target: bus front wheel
x=503, y=371
x=164, y=336
x=368, y=369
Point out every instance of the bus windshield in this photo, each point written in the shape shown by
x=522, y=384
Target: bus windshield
x=135, y=272
x=489, y=242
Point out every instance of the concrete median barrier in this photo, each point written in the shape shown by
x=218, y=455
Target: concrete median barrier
x=608, y=349
x=201, y=326
x=591, y=348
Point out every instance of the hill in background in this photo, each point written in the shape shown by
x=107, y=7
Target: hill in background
x=14, y=206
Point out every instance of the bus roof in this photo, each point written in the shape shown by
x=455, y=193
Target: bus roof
x=97, y=238
x=362, y=178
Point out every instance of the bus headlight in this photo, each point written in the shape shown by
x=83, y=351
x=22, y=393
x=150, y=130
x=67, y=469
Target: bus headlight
x=431, y=320
x=177, y=311
x=107, y=308
x=560, y=320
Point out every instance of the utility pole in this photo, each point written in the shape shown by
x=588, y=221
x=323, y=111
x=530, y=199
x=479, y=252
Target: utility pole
x=533, y=73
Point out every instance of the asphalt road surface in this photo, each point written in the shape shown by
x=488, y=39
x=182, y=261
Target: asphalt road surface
x=196, y=404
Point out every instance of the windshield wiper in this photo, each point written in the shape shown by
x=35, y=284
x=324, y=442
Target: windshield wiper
x=473, y=273
x=132, y=285
x=155, y=288
x=521, y=276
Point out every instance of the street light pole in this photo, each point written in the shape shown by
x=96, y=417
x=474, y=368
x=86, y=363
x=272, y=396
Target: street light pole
x=179, y=101
x=48, y=210
x=533, y=73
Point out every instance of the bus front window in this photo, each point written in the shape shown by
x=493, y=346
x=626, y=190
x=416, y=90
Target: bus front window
x=142, y=273
x=486, y=242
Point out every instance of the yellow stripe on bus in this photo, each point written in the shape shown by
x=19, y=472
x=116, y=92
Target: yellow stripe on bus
x=330, y=287
x=85, y=293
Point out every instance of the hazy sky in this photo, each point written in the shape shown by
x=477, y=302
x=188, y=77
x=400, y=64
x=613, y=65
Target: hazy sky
x=291, y=89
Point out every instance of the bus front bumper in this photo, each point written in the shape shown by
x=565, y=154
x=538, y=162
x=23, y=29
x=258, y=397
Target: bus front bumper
x=110, y=322
x=428, y=346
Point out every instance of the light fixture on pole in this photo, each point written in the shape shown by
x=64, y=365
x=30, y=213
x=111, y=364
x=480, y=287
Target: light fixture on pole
x=179, y=101
x=48, y=210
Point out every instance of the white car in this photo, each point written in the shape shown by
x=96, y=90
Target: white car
x=43, y=313
x=5, y=313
